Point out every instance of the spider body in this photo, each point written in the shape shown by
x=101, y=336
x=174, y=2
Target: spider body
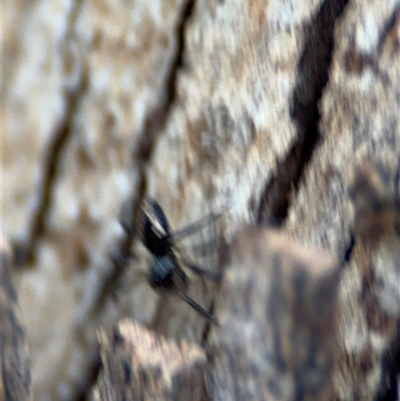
x=153, y=229
x=166, y=269
x=163, y=270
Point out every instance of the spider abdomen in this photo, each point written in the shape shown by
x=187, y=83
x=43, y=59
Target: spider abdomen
x=162, y=271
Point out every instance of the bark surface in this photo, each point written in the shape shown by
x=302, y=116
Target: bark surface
x=274, y=112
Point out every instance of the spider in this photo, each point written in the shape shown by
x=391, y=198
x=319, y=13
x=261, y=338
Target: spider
x=166, y=269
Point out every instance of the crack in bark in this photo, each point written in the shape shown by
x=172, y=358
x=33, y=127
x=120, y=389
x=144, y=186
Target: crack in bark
x=389, y=390
x=313, y=73
x=349, y=250
x=141, y=156
x=389, y=386
x=25, y=249
x=390, y=25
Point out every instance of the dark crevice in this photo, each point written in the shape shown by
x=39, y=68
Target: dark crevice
x=391, y=362
x=313, y=73
x=92, y=375
x=390, y=380
x=157, y=118
x=25, y=248
x=141, y=155
x=389, y=27
x=25, y=251
x=397, y=187
x=349, y=249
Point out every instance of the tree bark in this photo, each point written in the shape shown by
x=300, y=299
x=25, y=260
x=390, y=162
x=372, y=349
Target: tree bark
x=15, y=378
x=264, y=110
x=138, y=365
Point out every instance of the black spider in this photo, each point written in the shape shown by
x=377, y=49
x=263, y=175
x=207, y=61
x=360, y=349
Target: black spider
x=166, y=269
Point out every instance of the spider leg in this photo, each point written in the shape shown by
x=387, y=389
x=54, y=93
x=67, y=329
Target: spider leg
x=192, y=228
x=130, y=231
x=216, y=276
x=121, y=258
x=212, y=246
x=198, y=308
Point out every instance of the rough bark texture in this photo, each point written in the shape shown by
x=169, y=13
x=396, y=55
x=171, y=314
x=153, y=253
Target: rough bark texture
x=136, y=365
x=370, y=295
x=15, y=377
x=277, y=307
x=264, y=106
